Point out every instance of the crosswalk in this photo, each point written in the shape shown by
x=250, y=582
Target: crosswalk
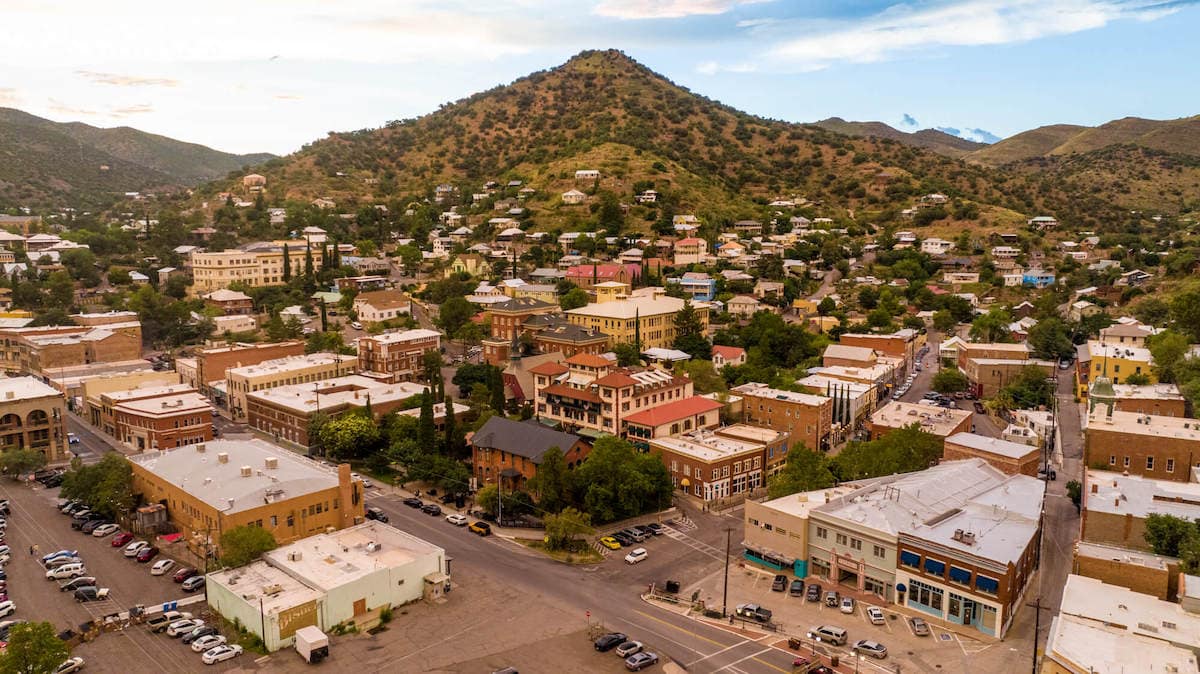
x=697, y=545
x=682, y=524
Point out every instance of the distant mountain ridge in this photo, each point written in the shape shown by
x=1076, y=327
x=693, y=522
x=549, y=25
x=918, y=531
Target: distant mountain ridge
x=930, y=139
x=1176, y=136
x=43, y=162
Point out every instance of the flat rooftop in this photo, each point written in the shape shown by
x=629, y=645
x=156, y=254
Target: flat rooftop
x=290, y=363
x=329, y=560
x=750, y=433
x=1118, y=494
x=1099, y=649
x=1148, y=392
x=256, y=580
x=1100, y=350
x=199, y=470
x=1123, y=555
x=1132, y=613
x=404, y=336
x=1142, y=424
x=763, y=391
x=983, y=443
x=154, y=391
x=634, y=306
x=706, y=446
x=802, y=503
x=352, y=390
x=168, y=405
x=932, y=419
x=25, y=388
x=1003, y=519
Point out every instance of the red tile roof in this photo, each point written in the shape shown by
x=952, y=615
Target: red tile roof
x=569, y=392
x=673, y=411
x=617, y=380
x=728, y=352
x=551, y=369
x=589, y=360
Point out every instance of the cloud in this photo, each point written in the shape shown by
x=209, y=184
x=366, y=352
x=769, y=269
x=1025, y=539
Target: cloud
x=8, y=96
x=126, y=80
x=138, y=109
x=950, y=130
x=288, y=97
x=976, y=135
x=909, y=121
x=712, y=68
x=60, y=107
x=666, y=9
x=906, y=28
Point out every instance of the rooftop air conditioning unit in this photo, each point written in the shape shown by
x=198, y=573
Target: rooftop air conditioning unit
x=958, y=534
x=223, y=457
x=372, y=546
x=295, y=556
x=247, y=471
x=968, y=538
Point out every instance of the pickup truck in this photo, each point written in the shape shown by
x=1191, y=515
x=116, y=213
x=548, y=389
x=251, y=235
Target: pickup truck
x=754, y=612
x=159, y=622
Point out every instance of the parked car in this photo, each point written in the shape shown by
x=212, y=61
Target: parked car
x=413, y=502
x=797, y=588
x=183, y=626
x=66, y=571
x=193, y=584
x=7, y=608
x=847, y=605
x=753, y=612
x=871, y=648
x=813, y=593
x=61, y=561
x=183, y=574
x=628, y=648
x=610, y=543
x=76, y=583
x=634, y=534
x=656, y=528
x=90, y=526
x=832, y=599
x=202, y=631
x=365, y=482
x=830, y=634
x=146, y=554
x=456, y=519
x=623, y=538
x=431, y=509
x=610, y=641
x=121, y=539
x=69, y=666
x=220, y=654
x=163, y=620
x=481, y=528
x=780, y=584
x=919, y=626
x=377, y=514
x=875, y=615
x=105, y=530
x=207, y=643
x=135, y=547
x=162, y=566
x=60, y=553
x=91, y=593
x=636, y=555
x=639, y=661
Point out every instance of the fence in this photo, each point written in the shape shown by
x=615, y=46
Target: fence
x=728, y=502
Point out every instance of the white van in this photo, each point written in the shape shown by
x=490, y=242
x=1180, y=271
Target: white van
x=830, y=634
x=72, y=570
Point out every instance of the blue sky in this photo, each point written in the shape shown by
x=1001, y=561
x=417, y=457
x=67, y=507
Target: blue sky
x=275, y=74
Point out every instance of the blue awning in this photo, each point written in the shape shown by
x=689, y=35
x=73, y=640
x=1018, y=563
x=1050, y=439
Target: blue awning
x=934, y=567
x=960, y=575
x=988, y=585
x=910, y=559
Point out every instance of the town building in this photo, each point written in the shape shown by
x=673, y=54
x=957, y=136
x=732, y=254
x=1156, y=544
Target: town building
x=1141, y=444
x=931, y=419
x=990, y=367
x=673, y=418
x=776, y=443
x=509, y=452
x=1010, y=458
x=1162, y=400
x=776, y=531
x=286, y=412
x=508, y=320
x=711, y=467
x=689, y=251
x=254, y=264
x=33, y=417
x=92, y=388
x=162, y=422
x=553, y=334
x=1143, y=572
x=648, y=319
x=205, y=369
x=902, y=344
x=593, y=395
x=1116, y=361
x=229, y=302
x=308, y=368
x=1114, y=506
x=80, y=348
x=378, y=306
x=212, y=487
x=396, y=356
x=459, y=410
x=849, y=356
x=807, y=418
x=586, y=276
x=700, y=287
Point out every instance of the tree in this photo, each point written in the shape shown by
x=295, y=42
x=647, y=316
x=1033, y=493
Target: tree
x=496, y=388
x=431, y=368
x=287, y=264
x=469, y=374
x=426, y=428
x=563, y=528
x=244, y=544
x=454, y=313
x=826, y=306
x=33, y=648
x=1153, y=311
x=615, y=482
x=689, y=333
x=573, y=299
x=868, y=298
x=609, y=214
x=106, y=487
x=1029, y=389
x=991, y=327
x=900, y=451
x=550, y=483
x=805, y=470
x=456, y=441
x=324, y=318
x=704, y=376
x=1050, y=340
x=1166, y=533
x=1138, y=379
x=944, y=321
x=1169, y=348
x=350, y=436
x=1185, y=312
x=14, y=462
x=1075, y=493
x=949, y=380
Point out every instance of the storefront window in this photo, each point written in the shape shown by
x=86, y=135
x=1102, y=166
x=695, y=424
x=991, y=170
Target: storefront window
x=925, y=597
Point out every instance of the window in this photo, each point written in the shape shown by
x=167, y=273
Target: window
x=1149, y=463
x=1170, y=465
x=855, y=544
x=1112, y=459
x=934, y=567
x=987, y=585
x=822, y=532
x=1126, y=462
x=879, y=551
x=716, y=473
x=274, y=521
x=960, y=576
x=841, y=539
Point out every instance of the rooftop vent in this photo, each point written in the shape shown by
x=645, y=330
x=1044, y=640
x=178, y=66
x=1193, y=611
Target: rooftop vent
x=295, y=556
x=272, y=463
x=247, y=471
x=968, y=538
x=372, y=546
x=223, y=457
x=200, y=448
x=958, y=534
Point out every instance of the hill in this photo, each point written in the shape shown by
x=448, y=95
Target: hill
x=930, y=139
x=1180, y=136
x=50, y=163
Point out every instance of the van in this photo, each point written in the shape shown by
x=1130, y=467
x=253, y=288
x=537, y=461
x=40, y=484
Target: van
x=66, y=571
x=830, y=634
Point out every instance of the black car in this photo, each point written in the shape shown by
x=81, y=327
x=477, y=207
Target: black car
x=624, y=539
x=780, y=584
x=52, y=482
x=797, y=588
x=813, y=593
x=610, y=641
x=376, y=514
x=90, y=526
x=197, y=633
x=413, y=502
x=656, y=528
x=431, y=509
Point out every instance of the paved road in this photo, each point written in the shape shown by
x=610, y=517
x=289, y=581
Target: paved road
x=609, y=591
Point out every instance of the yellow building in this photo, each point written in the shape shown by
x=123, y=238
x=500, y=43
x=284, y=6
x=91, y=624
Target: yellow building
x=255, y=264
x=537, y=291
x=269, y=374
x=1116, y=361
x=650, y=317
x=469, y=263
x=32, y=417
x=212, y=487
x=95, y=387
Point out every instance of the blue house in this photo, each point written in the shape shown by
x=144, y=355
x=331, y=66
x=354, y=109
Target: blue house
x=1037, y=278
x=700, y=287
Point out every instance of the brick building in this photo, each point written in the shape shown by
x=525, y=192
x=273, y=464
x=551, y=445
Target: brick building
x=509, y=452
x=594, y=395
x=935, y=420
x=311, y=367
x=1162, y=400
x=901, y=344
x=163, y=422
x=1114, y=506
x=230, y=302
x=32, y=416
x=1157, y=447
x=709, y=466
x=849, y=356
x=1010, y=458
x=396, y=356
x=86, y=345
x=805, y=417
x=508, y=320
x=678, y=416
x=94, y=387
x=207, y=367
x=587, y=275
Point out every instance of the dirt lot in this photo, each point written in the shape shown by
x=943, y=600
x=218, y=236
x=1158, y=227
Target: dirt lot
x=34, y=521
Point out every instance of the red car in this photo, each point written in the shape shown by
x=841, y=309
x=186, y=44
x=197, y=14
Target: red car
x=122, y=539
x=148, y=553
x=183, y=574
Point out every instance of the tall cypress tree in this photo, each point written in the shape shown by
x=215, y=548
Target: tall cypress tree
x=287, y=264
x=426, y=430
x=496, y=384
x=637, y=330
x=308, y=261
x=324, y=318
x=452, y=448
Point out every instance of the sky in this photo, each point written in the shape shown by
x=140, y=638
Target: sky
x=272, y=75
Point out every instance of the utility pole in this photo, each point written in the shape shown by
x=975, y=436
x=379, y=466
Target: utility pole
x=1037, y=625
x=725, y=592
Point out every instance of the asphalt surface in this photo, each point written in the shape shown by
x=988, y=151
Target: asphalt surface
x=608, y=593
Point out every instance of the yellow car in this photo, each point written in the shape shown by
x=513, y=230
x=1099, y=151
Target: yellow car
x=610, y=543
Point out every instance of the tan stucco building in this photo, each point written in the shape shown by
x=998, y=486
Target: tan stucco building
x=32, y=416
x=255, y=264
x=268, y=374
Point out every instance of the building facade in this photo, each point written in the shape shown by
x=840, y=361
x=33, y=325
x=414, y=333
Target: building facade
x=33, y=417
x=308, y=368
x=594, y=396
x=806, y=418
x=396, y=356
x=648, y=320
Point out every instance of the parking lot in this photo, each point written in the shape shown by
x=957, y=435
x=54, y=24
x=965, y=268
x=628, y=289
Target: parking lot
x=33, y=520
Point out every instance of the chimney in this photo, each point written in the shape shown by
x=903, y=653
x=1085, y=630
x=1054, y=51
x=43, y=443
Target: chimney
x=200, y=447
x=247, y=471
x=272, y=463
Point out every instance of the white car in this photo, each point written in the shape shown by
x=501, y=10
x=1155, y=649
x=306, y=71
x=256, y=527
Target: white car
x=135, y=547
x=875, y=615
x=105, y=530
x=207, y=643
x=365, y=482
x=70, y=665
x=220, y=653
x=5, y=550
x=7, y=608
x=182, y=627
x=847, y=605
x=635, y=556
x=456, y=519
x=356, y=325
x=162, y=566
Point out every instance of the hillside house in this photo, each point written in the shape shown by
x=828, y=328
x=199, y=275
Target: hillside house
x=573, y=197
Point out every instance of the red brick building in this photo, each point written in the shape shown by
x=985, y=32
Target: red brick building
x=163, y=422
x=509, y=452
x=588, y=275
x=396, y=356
